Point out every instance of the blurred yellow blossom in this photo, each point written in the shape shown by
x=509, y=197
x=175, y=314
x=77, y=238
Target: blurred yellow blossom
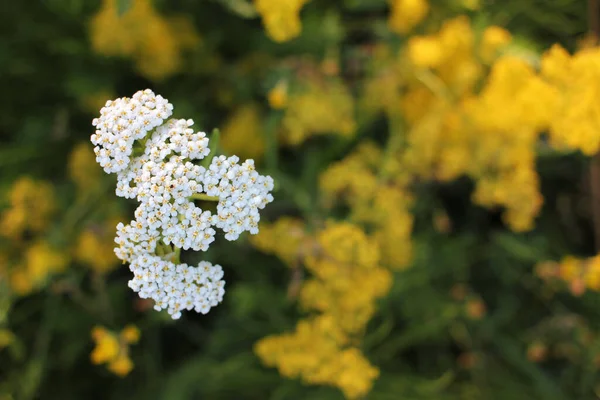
x=243, y=134
x=130, y=334
x=579, y=274
x=113, y=349
x=278, y=95
x=577, y=78
x=406, y=14
x=346, y=281
x=39, y=262
x=315, y=352
x=83, y=168
x=31, y=205
x=155, y=43
x=425, y=51
x=281, y=18
x=318, y=108
x=494, y=39
x=94, y=246
x=284, y=238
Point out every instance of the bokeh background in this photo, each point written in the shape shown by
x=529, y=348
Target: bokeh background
x=437, y=205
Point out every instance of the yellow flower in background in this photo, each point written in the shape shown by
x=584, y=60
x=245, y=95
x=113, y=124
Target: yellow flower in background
x=577, y=77
x=278, y=96
x=284, y=238
x=425, y=51
x=281, y=18
x=242, y=133
x=316, y=352
x=83, y=168
x=406, y=14
x=318, y=108
x=155, y=43
x=113, y=349
x=107, y=346
x=39, y=262
x=494, y=39
x=121, y=366
x=94, y=248
x=130, y=334
x=31, y=205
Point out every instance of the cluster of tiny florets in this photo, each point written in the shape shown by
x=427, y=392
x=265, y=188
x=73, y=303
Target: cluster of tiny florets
x=159, y=172
x=241, y=192
x=122, y=122
x=177, y=287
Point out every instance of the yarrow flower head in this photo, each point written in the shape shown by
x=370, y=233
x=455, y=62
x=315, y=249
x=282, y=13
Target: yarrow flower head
x=122, y=122
x=154, y=161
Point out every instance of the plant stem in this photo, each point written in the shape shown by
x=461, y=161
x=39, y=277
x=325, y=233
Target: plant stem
x=201, y=196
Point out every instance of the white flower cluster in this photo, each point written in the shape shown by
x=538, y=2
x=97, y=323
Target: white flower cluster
x=159, y=172
x=177, y=287
x=122, y=122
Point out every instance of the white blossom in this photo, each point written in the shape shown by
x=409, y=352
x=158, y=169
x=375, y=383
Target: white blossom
x=177, y=287
x=153, y=160
x=122, y=122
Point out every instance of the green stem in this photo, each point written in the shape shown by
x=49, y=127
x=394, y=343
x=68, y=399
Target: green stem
x=202, y=196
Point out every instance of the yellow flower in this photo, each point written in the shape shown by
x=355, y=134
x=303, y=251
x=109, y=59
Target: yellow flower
x=278, y=96
x=130, y=334
x=42, y=260
x=494, y=38
x=283, y=238
x=82, y=167
x=318, y=108
x=281, y=18
x=113, y=349
x=242, y=133
x=32, y=204
x=121, y=366
x=107, y=346
x=406, y=14
x=155, y=43
x=425, y=51
x=94, y=247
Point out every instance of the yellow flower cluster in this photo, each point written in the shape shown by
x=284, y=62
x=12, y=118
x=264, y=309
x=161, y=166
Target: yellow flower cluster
x=579, y=274
x=406, y=14
x=285, y=238
x=448, y=127
x=31, y=205
x=83, y=169
x=318, y=107
x=113, y=349
x=278, y=95
x=374, y=189
x=313, y=353
x=95, y=244
x=281, y=18
x=242, y=133
x=39, y=262
x=28, y=260
x=346, y=280
x=155, y=43
x=576, y=125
